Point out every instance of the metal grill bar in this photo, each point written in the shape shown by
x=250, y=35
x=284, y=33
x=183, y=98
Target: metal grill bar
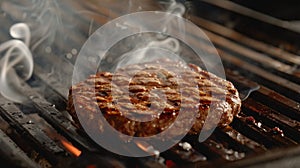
x=233, y=35
x=26, y=127
x=14, y=155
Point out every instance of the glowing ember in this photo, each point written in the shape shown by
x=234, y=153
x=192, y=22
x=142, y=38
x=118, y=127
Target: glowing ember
x=72, y=149
x=91, y=166
x=148, y=148
x=170, y=164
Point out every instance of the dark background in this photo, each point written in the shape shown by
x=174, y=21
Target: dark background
x=282, y=9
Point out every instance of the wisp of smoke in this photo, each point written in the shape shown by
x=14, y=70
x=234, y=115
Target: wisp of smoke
x=156, y=48
x=42, y=16
x=17, y=56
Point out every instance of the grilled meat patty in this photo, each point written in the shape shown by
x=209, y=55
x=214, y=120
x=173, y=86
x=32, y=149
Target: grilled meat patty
x=146, y=99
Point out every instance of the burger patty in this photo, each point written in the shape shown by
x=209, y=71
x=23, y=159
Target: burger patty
x=149, y=98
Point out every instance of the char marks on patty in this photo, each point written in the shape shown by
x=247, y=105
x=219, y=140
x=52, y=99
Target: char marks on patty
x=145, y=99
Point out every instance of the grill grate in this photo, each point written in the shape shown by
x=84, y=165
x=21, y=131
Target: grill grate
x=33, y=133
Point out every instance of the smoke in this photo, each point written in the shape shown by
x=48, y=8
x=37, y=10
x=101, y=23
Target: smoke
x=154, y=50
x=47, y=33
x=42, y=16
x=148, y=47
x=17, y=62
x=43, y=19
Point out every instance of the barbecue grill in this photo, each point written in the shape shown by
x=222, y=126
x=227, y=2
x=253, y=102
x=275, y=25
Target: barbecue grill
x=261, y=56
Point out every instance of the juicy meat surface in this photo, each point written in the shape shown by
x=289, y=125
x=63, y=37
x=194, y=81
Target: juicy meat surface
x=146, y=99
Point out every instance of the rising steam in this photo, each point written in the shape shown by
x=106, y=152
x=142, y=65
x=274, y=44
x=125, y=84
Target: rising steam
x=154, y=50
x=158, y=47
x=16, y=63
